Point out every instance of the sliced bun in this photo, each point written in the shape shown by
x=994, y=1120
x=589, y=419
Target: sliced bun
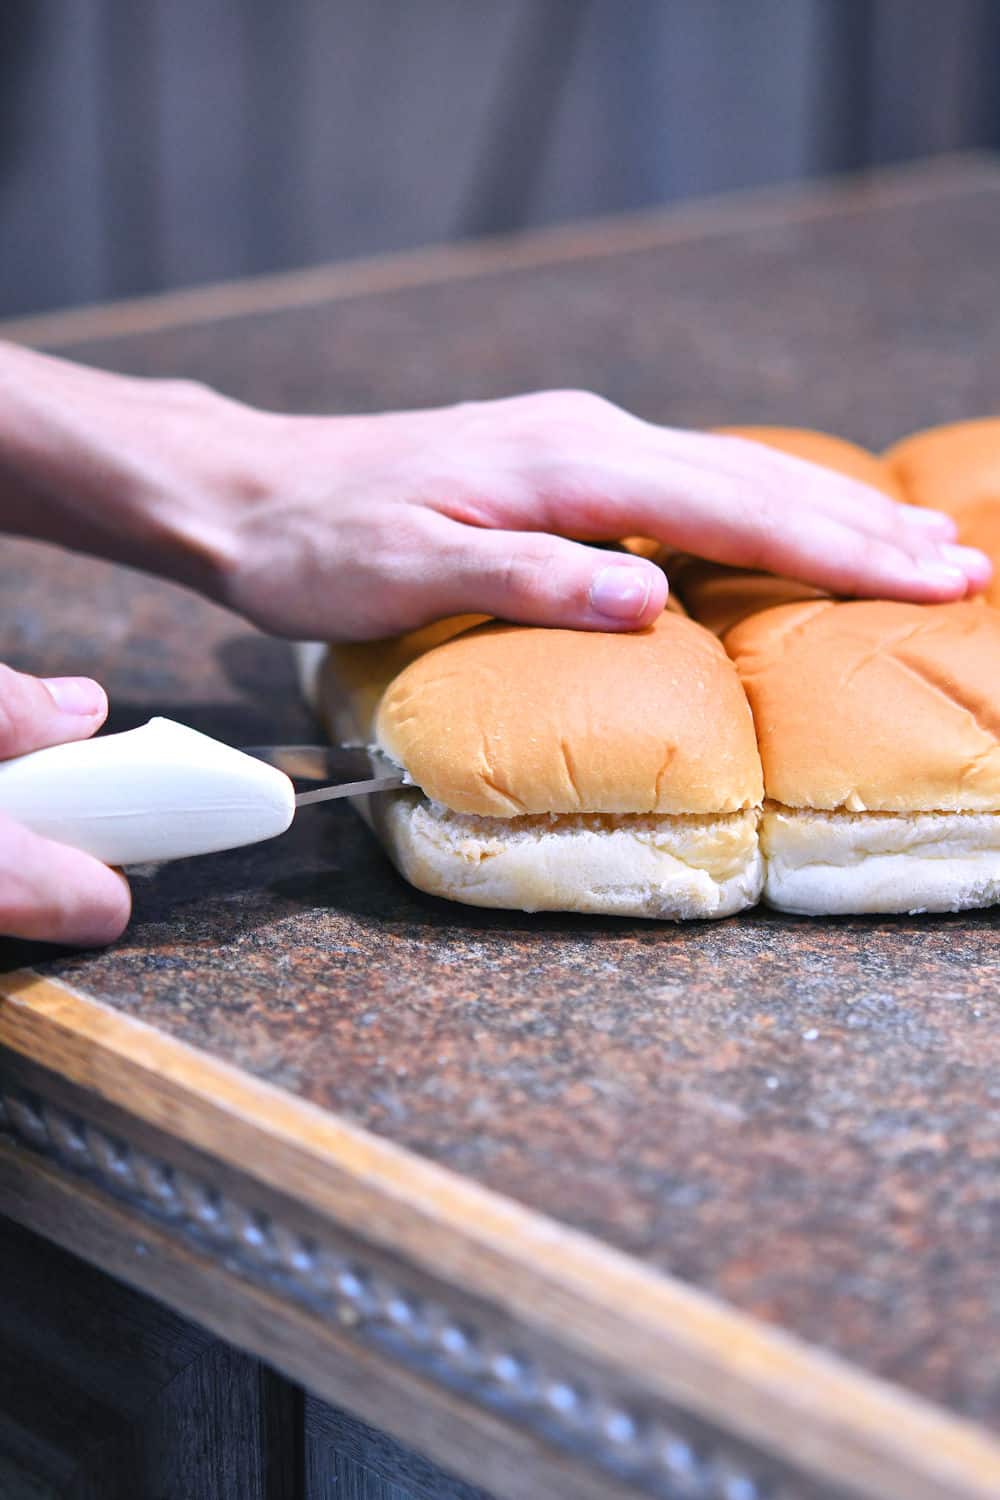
x=506, y=721
x=872, y=705
x=561, y=770
x=667, y=868
x=957, y=469
x=835, y=864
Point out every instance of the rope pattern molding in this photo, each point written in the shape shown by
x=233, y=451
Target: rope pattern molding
x=671, y=1458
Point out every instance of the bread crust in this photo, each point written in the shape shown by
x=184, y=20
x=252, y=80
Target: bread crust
x=957, y=469
x=508, y=720
x=873, y=705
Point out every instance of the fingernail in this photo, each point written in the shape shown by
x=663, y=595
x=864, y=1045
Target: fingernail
x=76, y=695
x=934, y=521
x=942, y=573
x=973, y=563
x=620, y=593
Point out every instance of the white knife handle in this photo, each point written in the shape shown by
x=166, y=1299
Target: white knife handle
x=160, y=792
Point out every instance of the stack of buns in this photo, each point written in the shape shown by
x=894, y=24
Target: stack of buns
x=878, y=722
x=836, y=757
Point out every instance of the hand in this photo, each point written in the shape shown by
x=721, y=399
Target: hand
x=47, y=890
x=369, y=526
x=358, y=527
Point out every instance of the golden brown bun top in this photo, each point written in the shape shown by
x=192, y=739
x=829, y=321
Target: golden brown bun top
x=957, y=469
x=721, y=597
x=506, y=719
x=951, y=467
x=878, y=706
x=355, y=674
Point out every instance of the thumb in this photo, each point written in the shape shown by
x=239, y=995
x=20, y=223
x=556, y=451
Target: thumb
x=537, y=579
x=36, y=712
x=52, y=893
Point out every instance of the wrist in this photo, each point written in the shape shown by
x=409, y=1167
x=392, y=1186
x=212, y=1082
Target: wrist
x=126, y=468
x=271, y=516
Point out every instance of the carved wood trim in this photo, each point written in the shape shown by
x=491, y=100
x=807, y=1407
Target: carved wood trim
x=671, y=1345
x=666, y=1453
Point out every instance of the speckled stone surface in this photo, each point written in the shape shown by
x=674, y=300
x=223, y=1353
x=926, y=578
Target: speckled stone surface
x=802, y=1117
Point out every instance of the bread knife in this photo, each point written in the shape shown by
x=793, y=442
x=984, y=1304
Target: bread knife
x=165, y=791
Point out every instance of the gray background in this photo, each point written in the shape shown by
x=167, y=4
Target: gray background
x=154, y=143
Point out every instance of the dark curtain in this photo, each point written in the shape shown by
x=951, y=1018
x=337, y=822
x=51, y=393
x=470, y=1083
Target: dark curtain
x=152, y=143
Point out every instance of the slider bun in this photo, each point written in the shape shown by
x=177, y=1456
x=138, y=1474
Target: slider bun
x=508, y=720
x=872, y=705
x=957, y=469
x=719, y=598
x=949, y=468
x=355, y=674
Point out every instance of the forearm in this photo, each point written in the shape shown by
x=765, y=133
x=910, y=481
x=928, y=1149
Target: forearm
x=96, y=462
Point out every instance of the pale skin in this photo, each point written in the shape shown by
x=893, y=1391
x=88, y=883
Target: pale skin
x=353, y=528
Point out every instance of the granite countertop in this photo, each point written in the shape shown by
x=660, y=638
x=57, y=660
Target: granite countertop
x=802, y=1117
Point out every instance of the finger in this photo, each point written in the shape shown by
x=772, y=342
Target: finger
x=933, y=523
x=976, y=565
x=36, y=712
x=52, y=893
x=839, y=558
x=595, y=472
x=733, y=501
x=818, y=539
x=802, y=483
x=537, y=579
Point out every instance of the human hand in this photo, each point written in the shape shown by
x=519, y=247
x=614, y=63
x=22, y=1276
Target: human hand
x=358, y=527
x=373, y=525
x=49, y=891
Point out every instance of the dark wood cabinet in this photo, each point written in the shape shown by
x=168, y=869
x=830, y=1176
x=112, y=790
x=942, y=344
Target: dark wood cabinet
x=107, y=1395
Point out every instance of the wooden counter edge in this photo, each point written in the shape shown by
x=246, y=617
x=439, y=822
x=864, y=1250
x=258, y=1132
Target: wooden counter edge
x=806, y=1408
x=732, y=212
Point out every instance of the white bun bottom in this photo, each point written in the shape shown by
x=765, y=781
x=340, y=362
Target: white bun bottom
x=825, y=864
x=670, y=868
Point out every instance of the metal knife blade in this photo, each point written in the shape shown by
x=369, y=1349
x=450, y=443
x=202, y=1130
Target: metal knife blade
x=351, y=770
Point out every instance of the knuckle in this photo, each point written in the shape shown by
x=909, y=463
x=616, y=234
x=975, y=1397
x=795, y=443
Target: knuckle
x=524, y=577
x=588, y=406
x=577, y=408
x=565, y=431
x=182, y=390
